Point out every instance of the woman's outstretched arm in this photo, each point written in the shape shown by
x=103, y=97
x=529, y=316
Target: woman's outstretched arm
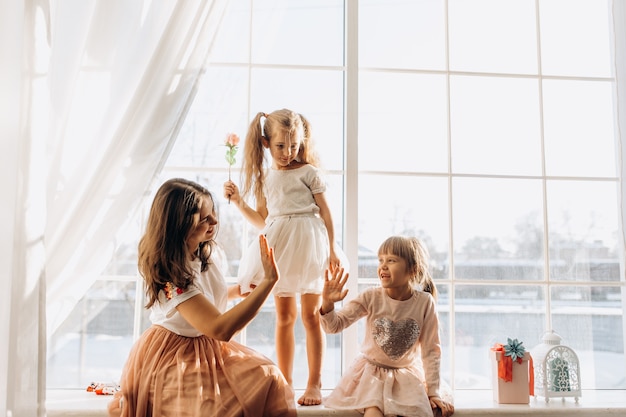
x=204, y=316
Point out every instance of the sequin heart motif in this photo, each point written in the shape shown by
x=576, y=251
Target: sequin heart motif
x=395, y=338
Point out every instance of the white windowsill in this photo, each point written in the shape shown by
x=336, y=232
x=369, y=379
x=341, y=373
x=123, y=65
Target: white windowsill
x=468, y=403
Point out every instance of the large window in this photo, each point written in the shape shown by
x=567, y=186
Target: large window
x=485, y=127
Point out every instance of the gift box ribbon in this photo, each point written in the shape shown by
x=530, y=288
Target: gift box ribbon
x=505, y=368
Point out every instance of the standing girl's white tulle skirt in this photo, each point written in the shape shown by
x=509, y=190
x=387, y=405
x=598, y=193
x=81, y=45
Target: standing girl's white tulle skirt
x=301, y=249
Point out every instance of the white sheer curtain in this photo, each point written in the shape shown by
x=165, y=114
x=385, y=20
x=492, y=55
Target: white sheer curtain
x=94, y=92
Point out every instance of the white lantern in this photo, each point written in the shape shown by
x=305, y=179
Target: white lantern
x=557, y=370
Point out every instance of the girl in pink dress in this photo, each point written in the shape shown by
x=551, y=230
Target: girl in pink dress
x=397, y=373
x=291, y=210
x=185, y=364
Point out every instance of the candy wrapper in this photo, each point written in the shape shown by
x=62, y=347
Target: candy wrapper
x=103, y=388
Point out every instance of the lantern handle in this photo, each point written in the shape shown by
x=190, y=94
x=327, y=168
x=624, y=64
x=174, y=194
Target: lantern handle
x=550, y=337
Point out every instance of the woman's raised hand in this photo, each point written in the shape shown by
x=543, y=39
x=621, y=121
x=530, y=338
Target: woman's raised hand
x=272, y=273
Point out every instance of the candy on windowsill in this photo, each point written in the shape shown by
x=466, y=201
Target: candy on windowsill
x=101, y=388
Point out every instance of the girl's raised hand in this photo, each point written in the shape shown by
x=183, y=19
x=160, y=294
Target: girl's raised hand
x=269, y=263
x=334, y=281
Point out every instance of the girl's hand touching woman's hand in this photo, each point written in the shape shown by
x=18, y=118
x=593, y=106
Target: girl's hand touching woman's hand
x=334, y=281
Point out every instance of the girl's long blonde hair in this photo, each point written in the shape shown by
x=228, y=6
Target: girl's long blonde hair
x=416, y=256
x=163, y=253
x=279, y=122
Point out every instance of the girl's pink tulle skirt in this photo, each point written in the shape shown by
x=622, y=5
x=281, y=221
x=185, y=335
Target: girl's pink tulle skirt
x=171, y=375
x=396, y=392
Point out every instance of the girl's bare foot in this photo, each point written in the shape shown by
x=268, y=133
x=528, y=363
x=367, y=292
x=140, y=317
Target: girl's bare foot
x=311, y=396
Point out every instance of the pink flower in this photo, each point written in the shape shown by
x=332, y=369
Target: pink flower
x=232, y=139
x=231, y=142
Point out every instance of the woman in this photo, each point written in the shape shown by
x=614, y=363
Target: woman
x=185, y=364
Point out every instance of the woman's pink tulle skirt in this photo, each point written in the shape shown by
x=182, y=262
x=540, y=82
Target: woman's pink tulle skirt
x=171, y=375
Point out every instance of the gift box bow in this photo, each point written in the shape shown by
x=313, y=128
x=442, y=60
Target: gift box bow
x=514, y=350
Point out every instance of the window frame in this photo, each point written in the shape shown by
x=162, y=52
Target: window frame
x=351, y=174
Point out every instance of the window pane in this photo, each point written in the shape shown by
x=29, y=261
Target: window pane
x=334, y=197
x=412, y=206
x=485, y=315
x=232, y=41
x=443, y=311
x=259, y=335
x=220, y=107
x=575, y=37
x=318, y=95
x=124, y=259
x=92, y=344
x=303, y=32
x=495, y=126
x=433, y=148
x=493, y=36
x=402, y=122
x=593, y=327
x=402, y=34
x=498, y=231
x=579, y=123
x=583, y=225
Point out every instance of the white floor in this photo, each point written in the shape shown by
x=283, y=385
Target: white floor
x=468, y=403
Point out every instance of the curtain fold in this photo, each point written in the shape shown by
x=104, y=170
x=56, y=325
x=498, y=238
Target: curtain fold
x=135, y=75
x=94, y=93
x=22, y=328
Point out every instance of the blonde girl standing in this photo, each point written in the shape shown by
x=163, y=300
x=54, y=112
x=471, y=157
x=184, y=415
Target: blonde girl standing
x=398, y=371
x=291, y=210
